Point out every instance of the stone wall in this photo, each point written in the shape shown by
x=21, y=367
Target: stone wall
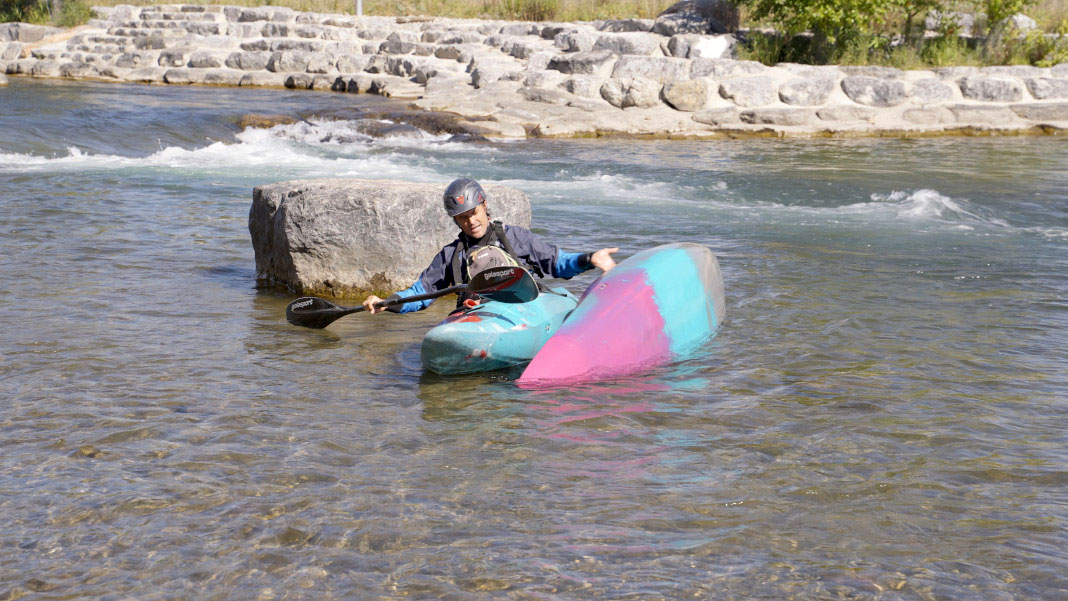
x=634, y=76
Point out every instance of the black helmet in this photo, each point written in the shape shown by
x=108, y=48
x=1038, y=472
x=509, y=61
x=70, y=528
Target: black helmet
x=462, y=195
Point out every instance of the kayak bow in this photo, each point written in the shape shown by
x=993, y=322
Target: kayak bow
x=654, y=306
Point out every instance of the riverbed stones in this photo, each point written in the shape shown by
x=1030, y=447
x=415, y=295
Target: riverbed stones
x=3, y=79
x=585, y=63
x=248, y=61
x=806, y=92
x=288, y=61
x=658, y=68
x=25, y=32
x=846, y=113
x=928, y=116
x=874, y=91
x=724, y=68
x=697, y=16
x=931, y=90
x=631, y=92
x=981, y=114
x=576, y=40
x=1043, y=88
x=691, y=45
x=792, y=117
x=537, y=78
x=689, y=95
x=643, y=44
x=339, y=237
x=718, y=116
x=991, y=89
x=749, y=91
x=1042, y=112
x=625, y=25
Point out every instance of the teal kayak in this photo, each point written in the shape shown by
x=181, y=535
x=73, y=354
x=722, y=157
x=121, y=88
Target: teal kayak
x=494, y=335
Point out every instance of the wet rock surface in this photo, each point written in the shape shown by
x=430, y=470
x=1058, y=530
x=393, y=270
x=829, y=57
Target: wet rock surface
x=674, y=76
x=339, y=237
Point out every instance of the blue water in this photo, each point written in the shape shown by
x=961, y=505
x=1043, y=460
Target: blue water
x=882, y=415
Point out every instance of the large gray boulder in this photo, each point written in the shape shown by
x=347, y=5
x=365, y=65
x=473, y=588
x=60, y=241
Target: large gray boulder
x=697, y=16
x=348, y=237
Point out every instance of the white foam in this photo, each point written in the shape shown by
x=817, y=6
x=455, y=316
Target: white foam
x=598, y=186
x=303, y=149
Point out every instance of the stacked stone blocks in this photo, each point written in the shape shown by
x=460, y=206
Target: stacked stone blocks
x=569, y=78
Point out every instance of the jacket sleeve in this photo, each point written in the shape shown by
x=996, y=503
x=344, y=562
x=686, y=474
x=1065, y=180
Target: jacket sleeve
x=437, y=276
x=531, y=247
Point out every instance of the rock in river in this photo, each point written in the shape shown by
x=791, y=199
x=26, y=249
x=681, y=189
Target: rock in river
x=347, y=237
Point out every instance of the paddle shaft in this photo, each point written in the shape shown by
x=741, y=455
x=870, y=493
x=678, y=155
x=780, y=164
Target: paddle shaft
x=393, y=302
x=507, y=284
x=312, y=312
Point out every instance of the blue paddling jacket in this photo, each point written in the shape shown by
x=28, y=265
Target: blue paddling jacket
x=450, y=264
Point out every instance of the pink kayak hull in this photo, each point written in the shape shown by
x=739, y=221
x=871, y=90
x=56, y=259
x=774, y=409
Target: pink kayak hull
x=653, y=307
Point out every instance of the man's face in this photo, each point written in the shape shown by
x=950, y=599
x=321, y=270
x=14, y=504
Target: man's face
x=474, y=223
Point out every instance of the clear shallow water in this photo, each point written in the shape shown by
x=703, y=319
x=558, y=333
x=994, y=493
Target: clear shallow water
x=883, y=415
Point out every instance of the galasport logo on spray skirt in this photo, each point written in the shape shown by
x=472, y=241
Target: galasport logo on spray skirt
x=303, y=304
x=502, y=276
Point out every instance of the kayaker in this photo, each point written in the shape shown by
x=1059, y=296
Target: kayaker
x=465, y=202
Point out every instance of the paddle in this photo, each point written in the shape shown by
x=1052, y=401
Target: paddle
x=313, y=312
x=505, y=285
x=502, y=284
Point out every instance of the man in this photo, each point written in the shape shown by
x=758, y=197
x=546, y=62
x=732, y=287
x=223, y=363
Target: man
x=465, y=202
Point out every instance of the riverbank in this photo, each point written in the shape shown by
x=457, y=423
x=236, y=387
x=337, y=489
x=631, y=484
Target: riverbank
x=637, y=77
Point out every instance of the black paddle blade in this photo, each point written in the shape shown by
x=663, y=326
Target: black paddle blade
x=504, y=284
x=312, y=312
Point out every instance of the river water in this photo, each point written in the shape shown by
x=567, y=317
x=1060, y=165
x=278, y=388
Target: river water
x=882, y=415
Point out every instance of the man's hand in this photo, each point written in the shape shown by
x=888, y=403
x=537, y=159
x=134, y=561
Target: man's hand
x=602, y=259
x=369, y=304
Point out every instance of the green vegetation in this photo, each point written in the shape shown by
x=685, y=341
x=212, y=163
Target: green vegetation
x=62, y=13
x=887, y=32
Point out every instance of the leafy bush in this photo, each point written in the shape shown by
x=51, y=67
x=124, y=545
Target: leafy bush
x=997, y=10
x=24, y=11
x=1034, y=48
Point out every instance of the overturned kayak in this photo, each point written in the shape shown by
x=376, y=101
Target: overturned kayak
x=654, y=306
x=494, y=334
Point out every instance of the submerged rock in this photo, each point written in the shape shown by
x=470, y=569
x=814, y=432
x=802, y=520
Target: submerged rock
x=264, y=121
x=348, y=237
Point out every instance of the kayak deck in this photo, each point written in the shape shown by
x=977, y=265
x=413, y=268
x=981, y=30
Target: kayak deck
x=494, y=335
